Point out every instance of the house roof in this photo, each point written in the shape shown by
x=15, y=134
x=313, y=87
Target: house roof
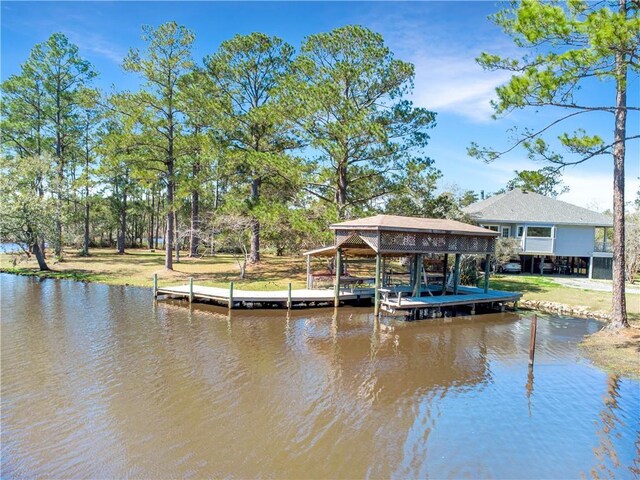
x=528, y=207
x=398, y=223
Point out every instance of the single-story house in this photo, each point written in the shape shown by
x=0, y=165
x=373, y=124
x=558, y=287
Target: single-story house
x=553, y=235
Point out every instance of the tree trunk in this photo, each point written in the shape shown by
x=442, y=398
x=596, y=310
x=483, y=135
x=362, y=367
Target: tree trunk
x=341, y=191
x=85, y=244
x=177, y=238
x=42, y=264
x=254, y=256
x=194, y=240
x=619, y=310
x=157, y=233
x=123, y=225
x=168, y=239
x=151, y=220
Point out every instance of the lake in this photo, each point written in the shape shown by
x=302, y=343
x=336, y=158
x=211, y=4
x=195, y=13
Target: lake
x=100, y=382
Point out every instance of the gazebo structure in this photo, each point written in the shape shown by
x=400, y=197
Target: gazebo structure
x=384, y=236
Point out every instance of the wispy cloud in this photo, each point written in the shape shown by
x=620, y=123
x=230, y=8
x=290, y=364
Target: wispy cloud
x=96, y=44
x=447, y=77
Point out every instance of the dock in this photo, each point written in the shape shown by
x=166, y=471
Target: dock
x=233, y=298
x=431, y=306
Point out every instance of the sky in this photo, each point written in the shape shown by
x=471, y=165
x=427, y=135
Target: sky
x=442, y=40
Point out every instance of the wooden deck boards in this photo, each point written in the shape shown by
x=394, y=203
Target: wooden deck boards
x=257, y=296
x=466, y=296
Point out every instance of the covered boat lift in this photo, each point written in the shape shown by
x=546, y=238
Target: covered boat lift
x=391, y=236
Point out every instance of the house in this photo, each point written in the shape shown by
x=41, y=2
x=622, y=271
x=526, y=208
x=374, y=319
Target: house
x=554, y=236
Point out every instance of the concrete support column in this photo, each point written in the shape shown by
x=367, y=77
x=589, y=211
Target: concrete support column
x=590, y=267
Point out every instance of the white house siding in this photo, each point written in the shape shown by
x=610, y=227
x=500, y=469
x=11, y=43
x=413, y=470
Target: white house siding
x=574, y=241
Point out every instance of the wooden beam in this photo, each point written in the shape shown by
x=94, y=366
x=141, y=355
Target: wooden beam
x=376, y=298
x=418, y=276
x=486, y=272
x=444, y=273
x=336, y=299
x=456, y=274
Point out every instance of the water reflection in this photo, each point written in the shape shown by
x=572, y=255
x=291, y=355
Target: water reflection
x=104, y=382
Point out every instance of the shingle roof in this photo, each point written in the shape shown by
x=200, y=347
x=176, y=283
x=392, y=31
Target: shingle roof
x=412, y=224
x=519, y=206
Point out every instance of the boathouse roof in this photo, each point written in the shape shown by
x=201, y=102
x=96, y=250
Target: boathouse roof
x=397, y=223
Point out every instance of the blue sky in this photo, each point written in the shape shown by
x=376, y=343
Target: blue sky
x=441, y=39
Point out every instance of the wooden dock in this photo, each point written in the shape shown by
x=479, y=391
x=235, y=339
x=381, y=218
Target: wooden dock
x=231, y=297
x=419, y=307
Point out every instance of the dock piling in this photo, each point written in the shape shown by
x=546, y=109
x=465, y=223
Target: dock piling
x=532, y=341
x=190, y=289
x=289, y=297
x=230, y=295
x=155, y=285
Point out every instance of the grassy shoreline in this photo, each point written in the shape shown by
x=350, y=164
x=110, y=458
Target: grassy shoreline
x=614, y=351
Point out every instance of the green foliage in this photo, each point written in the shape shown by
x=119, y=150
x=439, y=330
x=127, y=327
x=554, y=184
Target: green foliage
x=545, y=181
x=345, y=94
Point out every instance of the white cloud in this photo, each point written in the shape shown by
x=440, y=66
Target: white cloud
x=454, y=83
x=97, y=45
x=595, y=190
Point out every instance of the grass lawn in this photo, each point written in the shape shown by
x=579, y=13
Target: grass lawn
x=535, y=287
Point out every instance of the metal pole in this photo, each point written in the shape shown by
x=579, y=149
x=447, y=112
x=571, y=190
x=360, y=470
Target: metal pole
x=376, y=300
x=289, y=296
x=456, y=274
x=155, y=285
x=190, y=289
x=486, y=272
x=230, y=295
x=532, y=341
x=336, y=300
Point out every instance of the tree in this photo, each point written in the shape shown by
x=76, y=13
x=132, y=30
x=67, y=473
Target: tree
x=247, y=71
x=165, y=60
x=40, y=108
x=572, y=43
x=64, y=76
x=545, y=181
x=26, y=215
x=345, y=93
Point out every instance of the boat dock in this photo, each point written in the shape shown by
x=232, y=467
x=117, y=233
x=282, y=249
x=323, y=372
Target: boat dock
x=234, y=298
x=431, y=306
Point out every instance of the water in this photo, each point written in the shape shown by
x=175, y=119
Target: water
x=97, y=382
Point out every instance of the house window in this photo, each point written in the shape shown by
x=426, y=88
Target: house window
x=539, y=232
x=520, y=231
x=493, y=228
x=506, y=232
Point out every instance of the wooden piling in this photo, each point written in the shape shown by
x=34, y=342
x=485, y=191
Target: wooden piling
x=155, y=285
x=190, y=289
x=230, y=295
x=532, y=341
x=376, y=295
x=289, y=296
x=336, y=298
x=486, y=272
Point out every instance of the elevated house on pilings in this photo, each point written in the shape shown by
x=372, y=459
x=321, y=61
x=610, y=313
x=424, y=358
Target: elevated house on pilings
x=390, y=236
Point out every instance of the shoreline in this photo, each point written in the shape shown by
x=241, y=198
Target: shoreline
x=614, y=351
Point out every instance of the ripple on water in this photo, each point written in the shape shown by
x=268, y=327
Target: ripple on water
x=101, y=382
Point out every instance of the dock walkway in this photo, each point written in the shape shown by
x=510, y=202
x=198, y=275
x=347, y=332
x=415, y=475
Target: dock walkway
x=230, y=297
x=467, y=296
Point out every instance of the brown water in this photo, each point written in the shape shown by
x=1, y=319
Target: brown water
x=98, y=382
